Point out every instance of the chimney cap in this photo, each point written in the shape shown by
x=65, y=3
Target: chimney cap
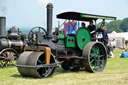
x=49, y=5
x=2, y=17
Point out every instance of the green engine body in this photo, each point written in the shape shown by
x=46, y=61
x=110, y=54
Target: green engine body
x=77, y=40
x=70, y=41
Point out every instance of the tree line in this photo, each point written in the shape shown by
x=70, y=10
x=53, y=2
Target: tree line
x=117, y=25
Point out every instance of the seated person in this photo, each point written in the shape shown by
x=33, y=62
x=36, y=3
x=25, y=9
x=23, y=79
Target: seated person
x=92, y=29
x=124, y=54
x=83, y=25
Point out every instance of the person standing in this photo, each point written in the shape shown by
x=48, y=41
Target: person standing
x=104, y=38
x=105, y=35
x=113, y=43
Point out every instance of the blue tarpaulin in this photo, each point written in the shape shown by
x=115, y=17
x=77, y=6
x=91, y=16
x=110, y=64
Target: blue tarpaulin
x=124, y=54
x=70, y=27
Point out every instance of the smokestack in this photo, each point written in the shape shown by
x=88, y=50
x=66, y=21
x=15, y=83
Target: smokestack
x=2, y=26
x=49, y=20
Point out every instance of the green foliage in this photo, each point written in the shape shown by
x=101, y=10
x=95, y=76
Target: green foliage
x=114, y=26
x=118, y=25
x=124, y=25
x=99, y=24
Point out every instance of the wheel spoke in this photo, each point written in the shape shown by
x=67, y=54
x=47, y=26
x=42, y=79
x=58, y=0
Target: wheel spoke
x=91, y=55
x=95, y=65
x=40, y=61
x=93, y=50
x=38, y=68
x=97, y=51
x=92, y=61
x=100, y=56
x=100, y=61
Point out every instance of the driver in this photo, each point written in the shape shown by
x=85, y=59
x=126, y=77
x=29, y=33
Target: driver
x=83, y=25
x=92, y=29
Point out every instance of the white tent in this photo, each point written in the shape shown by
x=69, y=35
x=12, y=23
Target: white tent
x=118, y=37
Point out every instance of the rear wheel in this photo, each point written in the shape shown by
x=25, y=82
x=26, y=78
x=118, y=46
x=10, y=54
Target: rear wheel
x=65, y=65
x=71, y=64
x=95, y=57
x=7, y=56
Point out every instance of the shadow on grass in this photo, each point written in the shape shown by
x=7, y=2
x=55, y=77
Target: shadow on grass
x=60, y=70
x=8, y=66
x=16, y=76
x=57, y=71
x=19, y=76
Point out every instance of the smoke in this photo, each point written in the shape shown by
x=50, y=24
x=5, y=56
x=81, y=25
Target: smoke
x=3, y=7
x=45, y=2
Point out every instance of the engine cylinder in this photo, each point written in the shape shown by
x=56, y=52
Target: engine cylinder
x=6, y=43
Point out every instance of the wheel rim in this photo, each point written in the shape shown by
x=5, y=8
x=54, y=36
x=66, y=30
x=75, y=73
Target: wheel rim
x=47, y=71
x=95, y=57
x=8, y=56
x=32, y=35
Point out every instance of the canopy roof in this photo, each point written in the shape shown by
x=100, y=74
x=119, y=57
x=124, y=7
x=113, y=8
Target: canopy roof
x=82, y=16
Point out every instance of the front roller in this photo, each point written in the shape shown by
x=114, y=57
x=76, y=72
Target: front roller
x=33, y=64
x=95, y=57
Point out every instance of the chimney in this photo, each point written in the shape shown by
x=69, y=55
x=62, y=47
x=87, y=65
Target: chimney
x=2, y=26
x=49, y=20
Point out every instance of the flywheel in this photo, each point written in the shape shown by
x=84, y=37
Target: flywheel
x=82, y=38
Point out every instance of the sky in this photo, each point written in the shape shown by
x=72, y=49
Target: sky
x=31, y=13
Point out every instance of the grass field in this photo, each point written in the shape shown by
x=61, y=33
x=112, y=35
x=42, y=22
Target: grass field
x=115, y=73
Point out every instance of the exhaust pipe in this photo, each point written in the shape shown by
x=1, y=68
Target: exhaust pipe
x=49, y=20
x=2, y=26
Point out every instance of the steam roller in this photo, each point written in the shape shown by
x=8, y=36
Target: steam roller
x=11, y=44
x=72, y=47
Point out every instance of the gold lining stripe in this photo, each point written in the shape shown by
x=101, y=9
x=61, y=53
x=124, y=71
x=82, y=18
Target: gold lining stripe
x=21, y=42
x=9, y=42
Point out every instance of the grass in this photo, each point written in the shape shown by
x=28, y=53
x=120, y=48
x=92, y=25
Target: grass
x=115, y=73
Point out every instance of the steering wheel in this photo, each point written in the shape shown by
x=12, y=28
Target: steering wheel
x=33, y=34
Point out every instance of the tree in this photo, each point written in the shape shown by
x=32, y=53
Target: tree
x=99, y=24
x=124, y=25
x=114, y=26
